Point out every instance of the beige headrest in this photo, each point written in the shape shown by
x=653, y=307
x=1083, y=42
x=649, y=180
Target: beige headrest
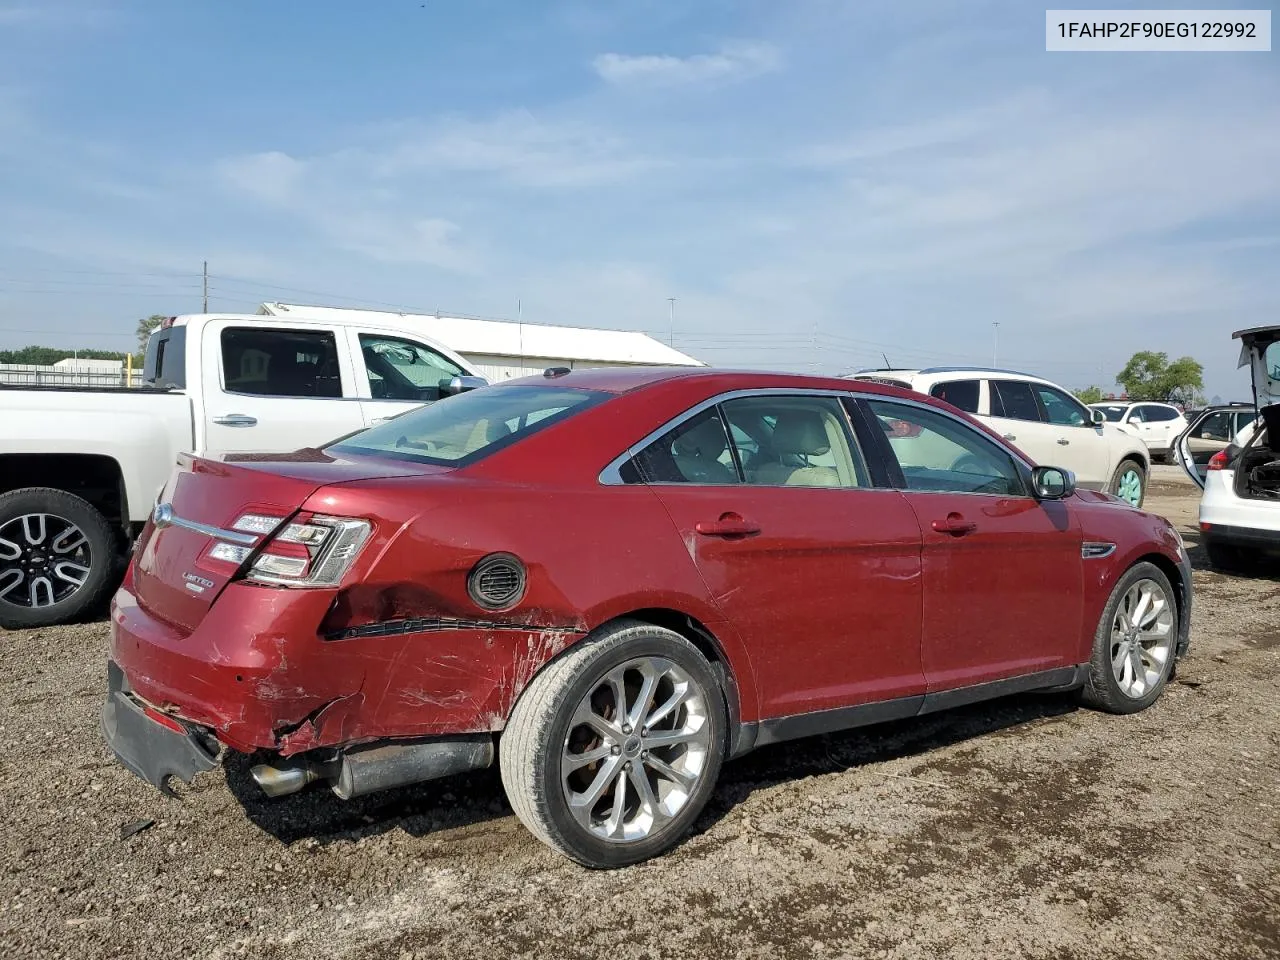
x=800, y=431
x=706, y=440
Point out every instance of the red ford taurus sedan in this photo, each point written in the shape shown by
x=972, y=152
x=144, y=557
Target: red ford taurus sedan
x=609, y=582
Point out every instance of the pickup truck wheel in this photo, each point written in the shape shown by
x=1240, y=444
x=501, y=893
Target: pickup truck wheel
x=1129, y=483
x=614, y=748
x=1134, y=645
x=57, y=554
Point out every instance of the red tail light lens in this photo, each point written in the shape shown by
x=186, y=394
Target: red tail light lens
x=1218, y=461
x=312, y=551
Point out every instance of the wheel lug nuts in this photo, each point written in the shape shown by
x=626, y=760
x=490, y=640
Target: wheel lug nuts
x=644, y=754
x=626, y=728
x=615, y=749
x=627, y=765
x=644, y=731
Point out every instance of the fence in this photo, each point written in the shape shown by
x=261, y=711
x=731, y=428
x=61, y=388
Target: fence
x=36, y=375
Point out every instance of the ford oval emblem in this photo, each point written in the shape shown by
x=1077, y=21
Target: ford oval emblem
x=162, y=515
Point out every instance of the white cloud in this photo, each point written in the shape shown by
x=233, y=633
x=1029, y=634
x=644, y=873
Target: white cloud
x=733, y=61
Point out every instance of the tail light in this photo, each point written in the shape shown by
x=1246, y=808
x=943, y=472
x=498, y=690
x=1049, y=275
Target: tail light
x=1218, y=461
x=312, y=550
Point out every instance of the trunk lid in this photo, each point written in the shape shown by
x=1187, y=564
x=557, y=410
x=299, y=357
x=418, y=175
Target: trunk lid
x=175, y=578
x=1260, y=352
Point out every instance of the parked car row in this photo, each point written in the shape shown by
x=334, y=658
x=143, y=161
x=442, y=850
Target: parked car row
x=80, y=468
x=1155, y=424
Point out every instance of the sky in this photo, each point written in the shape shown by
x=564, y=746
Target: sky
x=820, y=185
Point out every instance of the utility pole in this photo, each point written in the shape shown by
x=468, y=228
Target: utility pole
x=206, y=287
x=995, y=349
x=671, y=340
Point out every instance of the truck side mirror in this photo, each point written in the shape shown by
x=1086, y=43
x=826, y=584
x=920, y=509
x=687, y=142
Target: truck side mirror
x=461, y=384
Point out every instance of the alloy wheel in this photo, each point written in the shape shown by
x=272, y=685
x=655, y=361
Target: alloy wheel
x=1141, y=638
x=636, y=748
x=1130, y=487
x=44, y=559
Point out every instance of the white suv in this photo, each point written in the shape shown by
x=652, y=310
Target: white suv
x=1240, y=507
x=1157, y=425
x=1040, y=418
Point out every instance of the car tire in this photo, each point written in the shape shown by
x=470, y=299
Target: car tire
x=1127, y=474
x=1113, y=682
x=568, y=712
x=72, y=541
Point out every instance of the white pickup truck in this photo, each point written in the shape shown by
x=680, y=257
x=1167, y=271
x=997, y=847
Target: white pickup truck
x=80, y=469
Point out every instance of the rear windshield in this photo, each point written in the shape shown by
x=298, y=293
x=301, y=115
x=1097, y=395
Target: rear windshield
x=1112, y=413
x=459, y=430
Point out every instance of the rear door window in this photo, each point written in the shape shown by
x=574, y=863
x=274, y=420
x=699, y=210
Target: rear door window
x=694, y=451
x=280, y=363
x=959, y=393
x=1014, y=400
x=795, y=441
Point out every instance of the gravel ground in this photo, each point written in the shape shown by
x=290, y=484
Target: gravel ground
x=1024, y=828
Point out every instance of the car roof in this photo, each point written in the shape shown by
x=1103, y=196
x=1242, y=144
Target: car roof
x=627, y=379
x=1250, y=331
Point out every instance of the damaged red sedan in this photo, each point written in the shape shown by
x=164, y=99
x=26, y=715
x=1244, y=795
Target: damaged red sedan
x=609, y=582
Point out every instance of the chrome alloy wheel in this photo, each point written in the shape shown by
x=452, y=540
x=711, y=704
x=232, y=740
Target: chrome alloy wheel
x=1141, y=638
x=44, y=559
x=636, y=747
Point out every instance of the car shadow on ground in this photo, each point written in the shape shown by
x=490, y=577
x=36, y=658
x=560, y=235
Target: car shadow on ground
x=473, y=798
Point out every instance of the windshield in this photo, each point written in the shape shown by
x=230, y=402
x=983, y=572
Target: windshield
x=459, y=430
x=1113, y=412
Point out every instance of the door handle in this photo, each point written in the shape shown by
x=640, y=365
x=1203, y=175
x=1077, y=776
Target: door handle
x=1010, y=437
x=955, y=524
x=729, y=525
x=236, y=420
x=1063, y=441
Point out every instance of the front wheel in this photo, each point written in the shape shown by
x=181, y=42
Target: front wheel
x=1129, y=483
x=56, y=557
x=614, y=748
x=1133, y=647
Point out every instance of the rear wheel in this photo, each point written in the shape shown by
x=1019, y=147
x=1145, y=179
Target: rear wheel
x=613, y=749
x=56, y=557
x=1133, y=647
x=1129, y=483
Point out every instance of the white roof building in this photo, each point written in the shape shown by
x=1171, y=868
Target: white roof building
x=502, y=349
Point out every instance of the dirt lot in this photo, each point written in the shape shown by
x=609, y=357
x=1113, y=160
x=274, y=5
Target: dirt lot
x=1027, y=828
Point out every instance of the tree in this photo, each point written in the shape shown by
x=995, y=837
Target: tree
x=146, y=328
x=1090, y=395
x=1151, y=376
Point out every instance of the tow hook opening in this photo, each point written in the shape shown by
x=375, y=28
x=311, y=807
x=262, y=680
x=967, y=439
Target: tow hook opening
x=358, y=771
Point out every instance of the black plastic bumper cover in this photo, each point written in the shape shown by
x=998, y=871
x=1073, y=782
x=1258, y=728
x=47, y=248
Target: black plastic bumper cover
x=151, y=751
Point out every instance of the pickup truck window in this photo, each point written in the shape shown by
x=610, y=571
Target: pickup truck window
x=280, y=363
x=404, y=370
x=469, y=426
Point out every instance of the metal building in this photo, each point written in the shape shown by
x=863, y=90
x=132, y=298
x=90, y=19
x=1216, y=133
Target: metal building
x=502, y=349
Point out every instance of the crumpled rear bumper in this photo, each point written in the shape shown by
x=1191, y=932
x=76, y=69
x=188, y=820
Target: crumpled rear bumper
x=151, y=749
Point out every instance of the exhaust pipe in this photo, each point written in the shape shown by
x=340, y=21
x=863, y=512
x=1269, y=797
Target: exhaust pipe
x=398, y=765
x=364, y=770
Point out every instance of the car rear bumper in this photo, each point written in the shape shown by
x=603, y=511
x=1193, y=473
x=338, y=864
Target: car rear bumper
x=153, y=747
x=1252, y=538
x=257, y=673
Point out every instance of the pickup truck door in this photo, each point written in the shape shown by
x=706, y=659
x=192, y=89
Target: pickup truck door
x=395, y=372
x=275, y=386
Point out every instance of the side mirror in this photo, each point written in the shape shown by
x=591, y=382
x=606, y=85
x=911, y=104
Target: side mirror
x=1097, y=416
x=462, y=385
x=1053, y=483
x=1134, y=419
